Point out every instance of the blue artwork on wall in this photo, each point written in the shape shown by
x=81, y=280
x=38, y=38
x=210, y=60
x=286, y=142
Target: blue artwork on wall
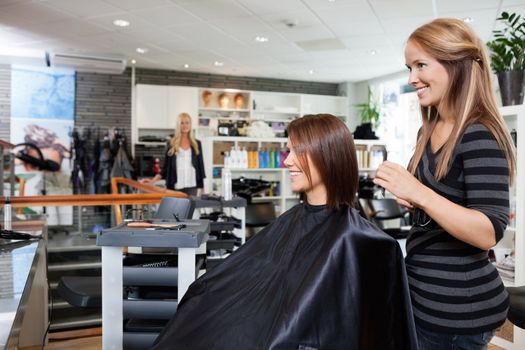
x=42, y=93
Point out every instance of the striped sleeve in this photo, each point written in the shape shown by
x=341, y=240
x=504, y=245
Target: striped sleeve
x=486, y=176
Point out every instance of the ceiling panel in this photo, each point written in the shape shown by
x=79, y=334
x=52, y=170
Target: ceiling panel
x=245, y=29
x=259, y=7
x=444, y=6
x=359, y=11
x=167, y=16
x=32, y=13
x=83, y=8
x=130, y=5
x=344, y=28
x=210, y=10
x=401, y=8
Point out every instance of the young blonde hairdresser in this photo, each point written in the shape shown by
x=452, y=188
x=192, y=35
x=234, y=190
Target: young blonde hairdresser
x=183, y=166
x=457, y=182
x=318, y=277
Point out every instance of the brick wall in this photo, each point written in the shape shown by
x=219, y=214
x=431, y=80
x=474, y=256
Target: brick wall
x=103, y=103
x=163, y=77
x=5, y=102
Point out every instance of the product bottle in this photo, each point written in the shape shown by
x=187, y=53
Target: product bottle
x=234, y=159
x=276, y=158
x=271, y=158
x=261, y=158
x=267, y=158
x=282, y=157
x=244, y=157
x=156, y=166
x=255, y=159
x=226, y=184
x=7, y=213
x=227, y=160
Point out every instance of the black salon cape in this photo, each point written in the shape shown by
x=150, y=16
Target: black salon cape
x=313, y=279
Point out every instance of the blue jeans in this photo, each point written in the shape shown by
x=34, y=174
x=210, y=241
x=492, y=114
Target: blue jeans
x=429, y=340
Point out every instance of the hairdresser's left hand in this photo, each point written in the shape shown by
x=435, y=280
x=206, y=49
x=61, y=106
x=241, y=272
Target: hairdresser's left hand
x=401, y=183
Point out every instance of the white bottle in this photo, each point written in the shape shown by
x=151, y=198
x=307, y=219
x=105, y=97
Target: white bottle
x=244, y=158
x=7, y=213
x=226, y=184
x=227, y=160
x=234, y=158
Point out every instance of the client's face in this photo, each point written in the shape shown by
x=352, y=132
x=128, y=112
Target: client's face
x=316, y=190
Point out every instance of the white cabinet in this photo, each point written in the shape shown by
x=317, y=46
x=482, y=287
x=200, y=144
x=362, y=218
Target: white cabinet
x=181, y=99
x=514, y=237
x=158, y=106
x=273, y=107
x=335, y=105
x=152, y=106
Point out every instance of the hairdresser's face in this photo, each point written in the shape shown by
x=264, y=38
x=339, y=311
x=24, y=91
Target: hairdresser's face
x=427, y=75
x=316, y=191
x=185, y=125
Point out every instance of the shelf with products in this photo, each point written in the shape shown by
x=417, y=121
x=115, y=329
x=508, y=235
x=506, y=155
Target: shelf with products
x=217, y=147
x=514, y=236
x=370, y=154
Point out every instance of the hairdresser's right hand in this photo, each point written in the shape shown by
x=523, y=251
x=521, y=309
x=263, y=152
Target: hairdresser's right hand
x=401, y=183
x=146, y=181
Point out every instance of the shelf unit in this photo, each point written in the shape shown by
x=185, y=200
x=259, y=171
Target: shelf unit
x=213, y=148
x=514, y=237
x=370, y=154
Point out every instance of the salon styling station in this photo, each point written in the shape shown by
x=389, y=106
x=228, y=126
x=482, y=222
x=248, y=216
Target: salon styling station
x=24, y=289
x=183, y=236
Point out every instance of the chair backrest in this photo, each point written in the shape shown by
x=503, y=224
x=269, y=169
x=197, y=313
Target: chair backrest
x=386, y=209
x=170, y=207
x=260, y=214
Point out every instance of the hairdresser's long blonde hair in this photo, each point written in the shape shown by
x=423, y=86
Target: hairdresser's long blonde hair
x=469, y=96
x=175, y=140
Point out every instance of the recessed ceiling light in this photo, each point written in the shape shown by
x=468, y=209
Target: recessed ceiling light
x=261, y=39
x=468, y=19
x=142, y=50
x=311, y=71
x=133, y=61
x=218, y=64
x=373, y=52
x=186, y=65
x=121, y=23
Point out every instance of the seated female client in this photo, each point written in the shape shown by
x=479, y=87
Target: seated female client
x=318, y=277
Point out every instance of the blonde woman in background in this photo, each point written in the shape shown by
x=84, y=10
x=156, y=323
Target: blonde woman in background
x=457, y=182
x=183, y=166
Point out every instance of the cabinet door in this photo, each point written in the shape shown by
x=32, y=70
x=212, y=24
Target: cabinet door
x=152, y=106
x=182, y=99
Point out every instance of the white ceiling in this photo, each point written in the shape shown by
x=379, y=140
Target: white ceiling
x=200, y=32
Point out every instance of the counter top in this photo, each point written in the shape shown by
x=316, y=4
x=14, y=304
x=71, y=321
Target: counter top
x=17, y=270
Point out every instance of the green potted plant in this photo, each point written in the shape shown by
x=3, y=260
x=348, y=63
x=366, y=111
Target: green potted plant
x=370, y=114
x=507, y=53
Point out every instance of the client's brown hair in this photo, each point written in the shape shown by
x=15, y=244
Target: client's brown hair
x=328, y=142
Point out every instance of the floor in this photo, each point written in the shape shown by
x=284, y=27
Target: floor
x=95, y=343
x=85, y=343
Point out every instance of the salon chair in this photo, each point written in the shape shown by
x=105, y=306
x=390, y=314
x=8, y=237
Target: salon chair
x=259, y=215
x=380, y=211
x=516, y=313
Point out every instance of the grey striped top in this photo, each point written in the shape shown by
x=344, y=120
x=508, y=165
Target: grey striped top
x=454, y=287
